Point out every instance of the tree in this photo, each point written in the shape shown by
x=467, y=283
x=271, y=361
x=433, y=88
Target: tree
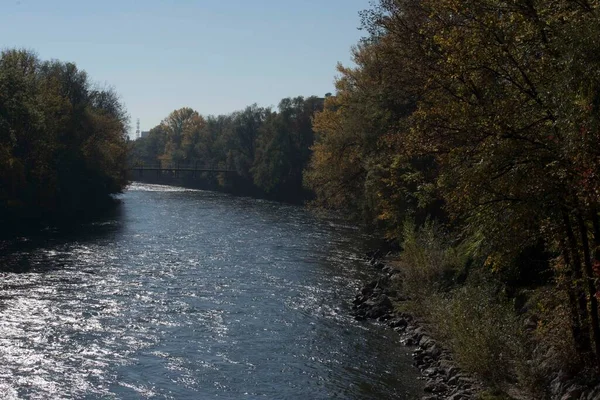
x=361, y=160
x=182, y=128
x=510, y=115
x=62, y=141
x=283, y=148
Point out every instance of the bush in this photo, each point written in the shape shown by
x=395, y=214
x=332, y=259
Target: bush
x=429, y=262
x=466, y=308
x=481, y=330
x=555, y=347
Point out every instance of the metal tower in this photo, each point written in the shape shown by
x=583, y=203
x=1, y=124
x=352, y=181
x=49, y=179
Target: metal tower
x=138, y=133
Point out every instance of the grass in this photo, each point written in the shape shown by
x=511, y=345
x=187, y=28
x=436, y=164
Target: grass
x=464, y=306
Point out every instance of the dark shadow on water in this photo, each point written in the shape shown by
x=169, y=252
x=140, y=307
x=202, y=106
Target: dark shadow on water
x=20, y=245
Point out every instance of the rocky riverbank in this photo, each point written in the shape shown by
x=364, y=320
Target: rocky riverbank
x=443, y=378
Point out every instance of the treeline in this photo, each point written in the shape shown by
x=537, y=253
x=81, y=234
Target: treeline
x=482, y=115
x=268, y=149
x=62, y=140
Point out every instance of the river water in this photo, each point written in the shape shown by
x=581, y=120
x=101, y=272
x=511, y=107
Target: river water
x=184, y=294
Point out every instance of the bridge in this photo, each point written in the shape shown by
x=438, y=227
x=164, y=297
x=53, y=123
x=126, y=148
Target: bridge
x=175, y=169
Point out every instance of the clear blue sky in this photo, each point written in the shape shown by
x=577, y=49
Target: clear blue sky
x=216, y=56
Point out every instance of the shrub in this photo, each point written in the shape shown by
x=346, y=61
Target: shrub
x=468, y=312
x=429, y=262
x=481, y=330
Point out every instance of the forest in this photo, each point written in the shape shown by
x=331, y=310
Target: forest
x=267, y=149
x=467, y=132
x=63, y=141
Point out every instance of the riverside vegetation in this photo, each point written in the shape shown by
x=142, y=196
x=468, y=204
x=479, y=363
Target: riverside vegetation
x=477, y=121
x=62, y=141
x=268, y=149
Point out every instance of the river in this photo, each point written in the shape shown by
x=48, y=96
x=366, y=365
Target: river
x=186, y=294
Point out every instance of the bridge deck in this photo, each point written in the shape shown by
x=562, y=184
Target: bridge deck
x=180, y=169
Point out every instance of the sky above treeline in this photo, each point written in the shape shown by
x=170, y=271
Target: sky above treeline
x=216, y=56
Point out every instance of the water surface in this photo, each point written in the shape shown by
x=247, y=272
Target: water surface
x=185, y=294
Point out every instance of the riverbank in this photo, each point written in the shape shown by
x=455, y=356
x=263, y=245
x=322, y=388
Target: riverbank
x=30, y=221
x=230, y=184
x=380, y=300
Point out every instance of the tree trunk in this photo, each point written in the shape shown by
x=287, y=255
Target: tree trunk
x=578, y=284
x=590, y=284
x=596, y=226
x=578, y=335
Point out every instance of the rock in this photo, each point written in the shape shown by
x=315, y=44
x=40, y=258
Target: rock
x=572, y=393
x=374, y=307
x=425, y=342
x=417, y=334
x=396, y=278
x=397, y=322
x=378, y=265
x=443, y=379
x=419, y=330
x=594, y=393
x=435, y=387
x=383, y=281
x=434, y=351
x=458, y=396
x=449, y=369
x=385, y=317
x=368, y=288
x=405, y=316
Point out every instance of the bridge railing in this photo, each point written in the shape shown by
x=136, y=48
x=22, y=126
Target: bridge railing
x=196, y=167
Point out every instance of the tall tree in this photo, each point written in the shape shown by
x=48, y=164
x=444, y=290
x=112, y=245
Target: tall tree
x=62, y=140
x=510, y=116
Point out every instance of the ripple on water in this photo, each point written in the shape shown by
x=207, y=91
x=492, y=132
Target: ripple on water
x=190, y=294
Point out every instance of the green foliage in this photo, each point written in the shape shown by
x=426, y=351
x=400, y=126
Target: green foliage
x=268, y=149
x=429, y=262
x=493, y=395
x=487, y=108
x=183, y=129
x=147, y=150
x=471, y=316
x=481, y=330
x=362, y=162
x=283, y=148
x=62, y=140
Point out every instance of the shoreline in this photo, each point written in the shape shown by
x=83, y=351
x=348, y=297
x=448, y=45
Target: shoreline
x=31, y=221
x=443, y=378
x=375, y=301
x=235, y=186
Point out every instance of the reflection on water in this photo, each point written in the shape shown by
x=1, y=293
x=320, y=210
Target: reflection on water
x=191, y=294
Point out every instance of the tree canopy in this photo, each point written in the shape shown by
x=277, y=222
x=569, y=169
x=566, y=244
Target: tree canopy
x=489, y=108
x=268, y=149
x=62, y=138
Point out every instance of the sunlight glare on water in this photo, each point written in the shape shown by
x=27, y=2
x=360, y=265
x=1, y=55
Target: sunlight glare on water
x=185, y=294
